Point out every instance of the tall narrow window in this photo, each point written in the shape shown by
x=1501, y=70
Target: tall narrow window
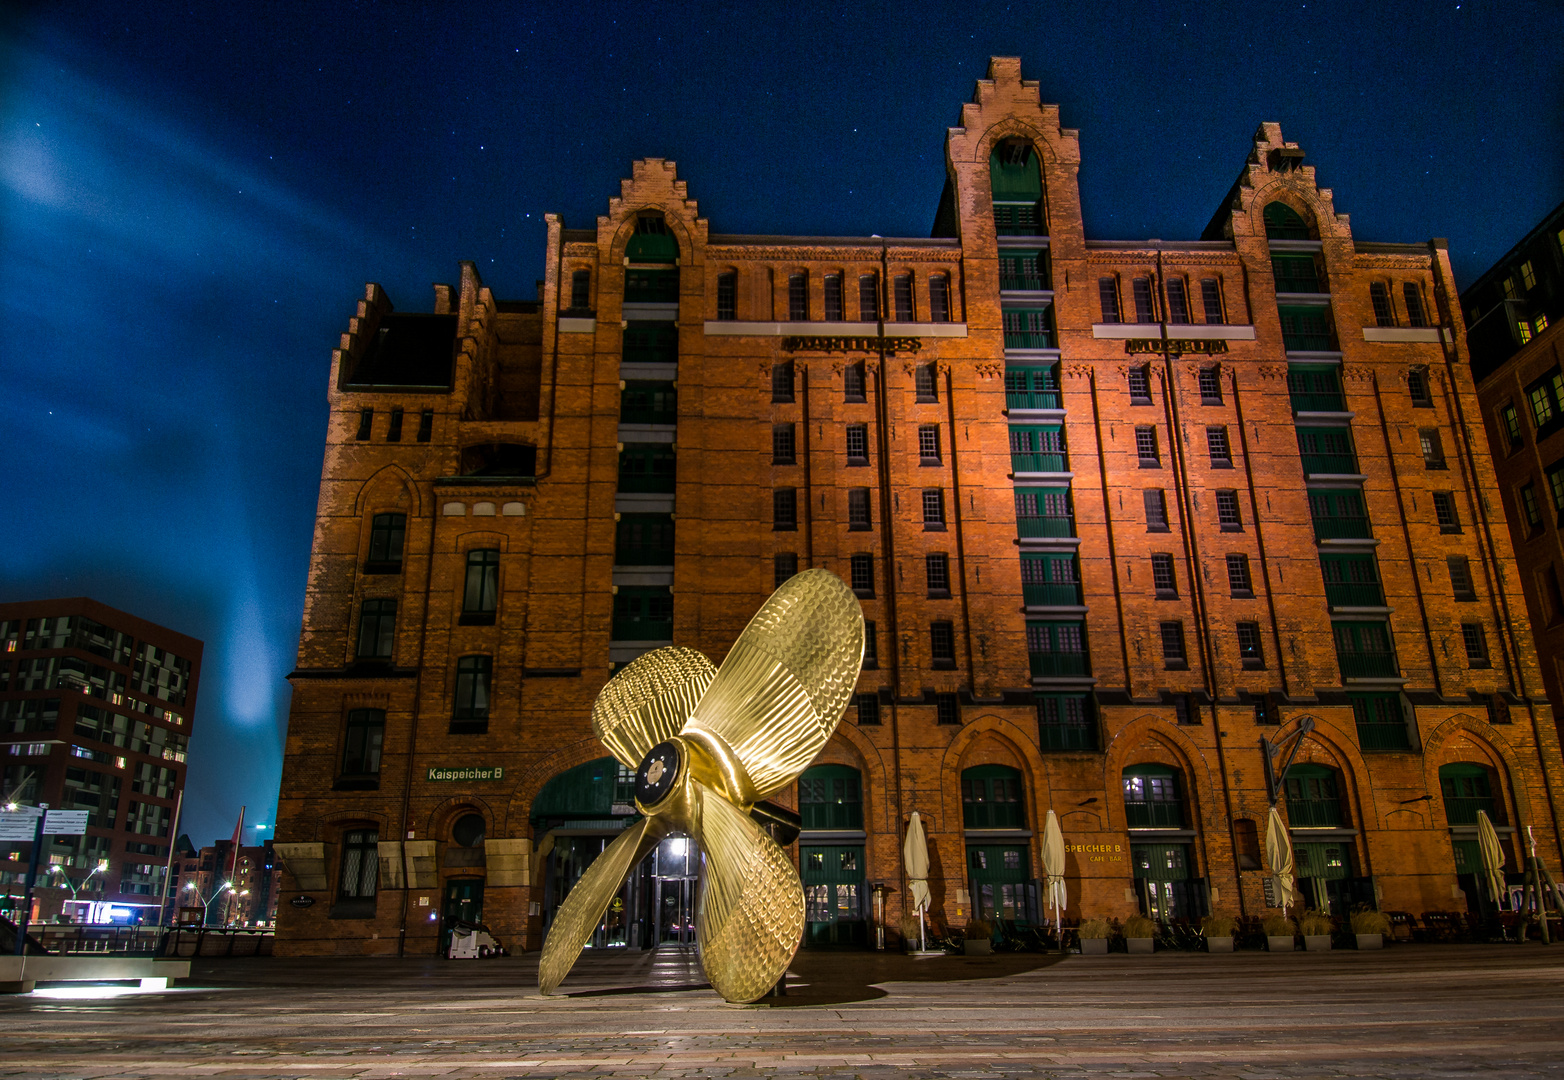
x=1173, y=646
x=727, y=296
x=1529, y=507
x=833, y=298
x=472, y=687
x=782, y=381
x=426, y=425
x=1162, y=579
x=1156, y=511
x=1140, y=385
x=853, y=382
x=1210, y=387
x=942, y=645
x=1216, y=445
x=1238, y=581
x=868, y=297
x=357, y=878
x=1414, y=300
x=936, y=568
x=784, y=565
x=1460, y=577
x=861, y=574
x=1108, y=295
x=1178, y=301
x=1379, y=296
x=1510, y=420
x=798, y=297
x=1444, y=512
x=928, y=444
x=394, y=432
x=1417, y=388
x=868, y=706
x=871, y=646
x=1249, y=650
x=376, y=629
x=858, y=519
x=933, y=509
x=1476, y=642
x=481, y=592
x=947, y=709
x=857, y=444
x=939, y=298
x=366, y=424
x=1146, y=447
x=904, y=298
x=1227, y=514
x=385, y=543
x=784, y=509
x=1145, y=310
x=782, y=448
x=361, y=742
x=1433, y=450
x=581, y=290
x=924, y=384
x=1211, y=300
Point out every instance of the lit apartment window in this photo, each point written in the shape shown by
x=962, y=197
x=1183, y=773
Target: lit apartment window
x=1528, y=276
x=1528, y=497
x=1510, y=420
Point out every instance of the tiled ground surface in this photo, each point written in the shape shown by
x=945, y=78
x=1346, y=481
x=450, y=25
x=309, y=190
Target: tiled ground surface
x=1413, y=1011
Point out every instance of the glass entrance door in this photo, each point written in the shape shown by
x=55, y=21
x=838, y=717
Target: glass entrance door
x=1324, y=869
x=675, y=911
x=1002, y=888
x=464, y=902
x=1160, y=873
x=833, y=895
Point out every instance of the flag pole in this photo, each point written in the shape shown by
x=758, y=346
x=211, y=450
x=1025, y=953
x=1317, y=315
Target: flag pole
x=173, y=842
x=233, y=867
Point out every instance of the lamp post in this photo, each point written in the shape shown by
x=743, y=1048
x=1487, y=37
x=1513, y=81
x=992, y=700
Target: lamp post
x=56, y=868
x=206, y=902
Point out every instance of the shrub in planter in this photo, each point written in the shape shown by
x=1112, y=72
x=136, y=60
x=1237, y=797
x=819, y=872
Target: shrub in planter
x=1217, y=928
x=1140, y=934
x=1279, y=932
x=1094, y=936
x=1316, y=928
x=1370, y=928
x=979, y=937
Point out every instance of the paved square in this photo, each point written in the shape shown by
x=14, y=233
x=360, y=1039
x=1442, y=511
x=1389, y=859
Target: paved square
x=1412, y=1011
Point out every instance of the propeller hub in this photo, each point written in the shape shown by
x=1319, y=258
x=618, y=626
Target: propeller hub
x=659, y=774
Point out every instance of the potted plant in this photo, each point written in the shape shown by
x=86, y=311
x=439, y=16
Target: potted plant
x=1217, y=928
x=1140, y=934
x=978, y=939
x=1279, y=932
x=1094, y=937
x=1370, y=928
x=1316, y=929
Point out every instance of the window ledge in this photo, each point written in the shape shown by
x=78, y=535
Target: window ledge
x=1167, y=594
x=1242, y=594
x=784, y=528
x=864, y=594
x=1175, y=665
x=1158, y=528
x=930, y=462
x=933, y=526
x=1254, y=665
x=857, y=462
x=1435, y=466
x=1221, y=463
x=871, y=665
x=860, y=526
x=1232, y=528
x=1210, y=401
x=1147, y=463
x=939, y=594
x=942, y=665
x=1450, y=530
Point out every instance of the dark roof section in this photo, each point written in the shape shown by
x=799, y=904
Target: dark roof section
x=578, y=236
x=410, y=352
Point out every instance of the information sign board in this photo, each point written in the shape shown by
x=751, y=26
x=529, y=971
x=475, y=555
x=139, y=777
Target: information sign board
x=17, y=827
x=65, y=823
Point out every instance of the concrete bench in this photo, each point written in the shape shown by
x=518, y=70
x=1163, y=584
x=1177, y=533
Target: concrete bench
x=19, y=974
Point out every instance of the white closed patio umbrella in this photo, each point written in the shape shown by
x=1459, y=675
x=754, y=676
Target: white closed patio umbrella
x=1492, y=856
x=1278, y=856
x=915, y=858
x=1054, y=894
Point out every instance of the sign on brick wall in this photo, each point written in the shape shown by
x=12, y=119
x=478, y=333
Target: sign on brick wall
x=466, y=772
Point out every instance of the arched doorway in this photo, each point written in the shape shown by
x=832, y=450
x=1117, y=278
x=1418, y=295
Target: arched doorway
x=999, y=856
x=831, y=855
x=1162, y=851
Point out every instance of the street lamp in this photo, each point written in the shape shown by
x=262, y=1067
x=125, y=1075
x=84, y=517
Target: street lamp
x=227, y=887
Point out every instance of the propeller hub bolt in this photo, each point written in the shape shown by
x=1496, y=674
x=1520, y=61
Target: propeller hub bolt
x=659, y=773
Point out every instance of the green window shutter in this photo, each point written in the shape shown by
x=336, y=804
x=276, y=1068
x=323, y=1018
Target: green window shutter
x=643, y=613
x=651, y=285
x=1050, y=580
x=1153, y=797
x=644, y=540
x=1013, y=174
x=1313, y=800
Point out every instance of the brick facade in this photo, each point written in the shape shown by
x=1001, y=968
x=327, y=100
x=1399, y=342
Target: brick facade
x=1016, y=406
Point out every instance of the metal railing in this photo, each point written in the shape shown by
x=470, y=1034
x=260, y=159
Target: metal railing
x=1025, y=282
x=1367, y=665
x=1314, y=813
x=1330, y=464
x=1318, y=402
x=76, y=939
x=1462, y=810
x=1067, y=736
x=1354, y=594
x=1047, y=665
x=1051, y=594
x=1039, y=463
x=1383, y=736
x=1342, y=528
x=1307, y=343
x=1298, y=283
x=1028, y=339
x=1032, y=399
x=1035, y=527
x=1154, y=815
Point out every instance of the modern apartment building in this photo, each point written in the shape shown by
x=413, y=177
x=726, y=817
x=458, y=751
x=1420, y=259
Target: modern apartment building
x=1121, y=515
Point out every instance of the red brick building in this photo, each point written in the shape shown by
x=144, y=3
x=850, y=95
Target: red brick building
x=95, y=715
x=1117, y=512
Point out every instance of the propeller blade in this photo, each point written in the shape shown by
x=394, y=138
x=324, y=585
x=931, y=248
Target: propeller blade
x=649, y=701
x=782, y=690
x=750, y=915
x=583, y=908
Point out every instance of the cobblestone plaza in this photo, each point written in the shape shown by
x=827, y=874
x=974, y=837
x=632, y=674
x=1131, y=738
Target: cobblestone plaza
x=1411, y=1011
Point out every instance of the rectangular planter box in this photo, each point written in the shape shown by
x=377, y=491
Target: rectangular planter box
x=980, y=947
x=1094, y=946
x=1280, y=943
x=1219, y=944
x=1141, y=944
x=1371, y=941
x=1316, y=942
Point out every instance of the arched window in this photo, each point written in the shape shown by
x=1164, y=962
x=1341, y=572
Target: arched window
x=1017, y=187
x=1313, y=797
x=831, y=797
x=595, y=791
x=1152, y=799
x=1467, y=788
x=652, y=242
x=1283, y=223
x=468, y=831
x=991, y=798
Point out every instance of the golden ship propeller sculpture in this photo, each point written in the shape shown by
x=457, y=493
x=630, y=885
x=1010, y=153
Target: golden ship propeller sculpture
x=708, y=745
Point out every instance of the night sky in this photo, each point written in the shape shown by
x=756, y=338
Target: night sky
x=191, y=200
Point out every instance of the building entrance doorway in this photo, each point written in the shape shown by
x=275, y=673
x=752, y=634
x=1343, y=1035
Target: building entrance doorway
x=833, y=895
x=670, y=876
x=463, y=902
x=1002, y=888
x=1163, y=881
